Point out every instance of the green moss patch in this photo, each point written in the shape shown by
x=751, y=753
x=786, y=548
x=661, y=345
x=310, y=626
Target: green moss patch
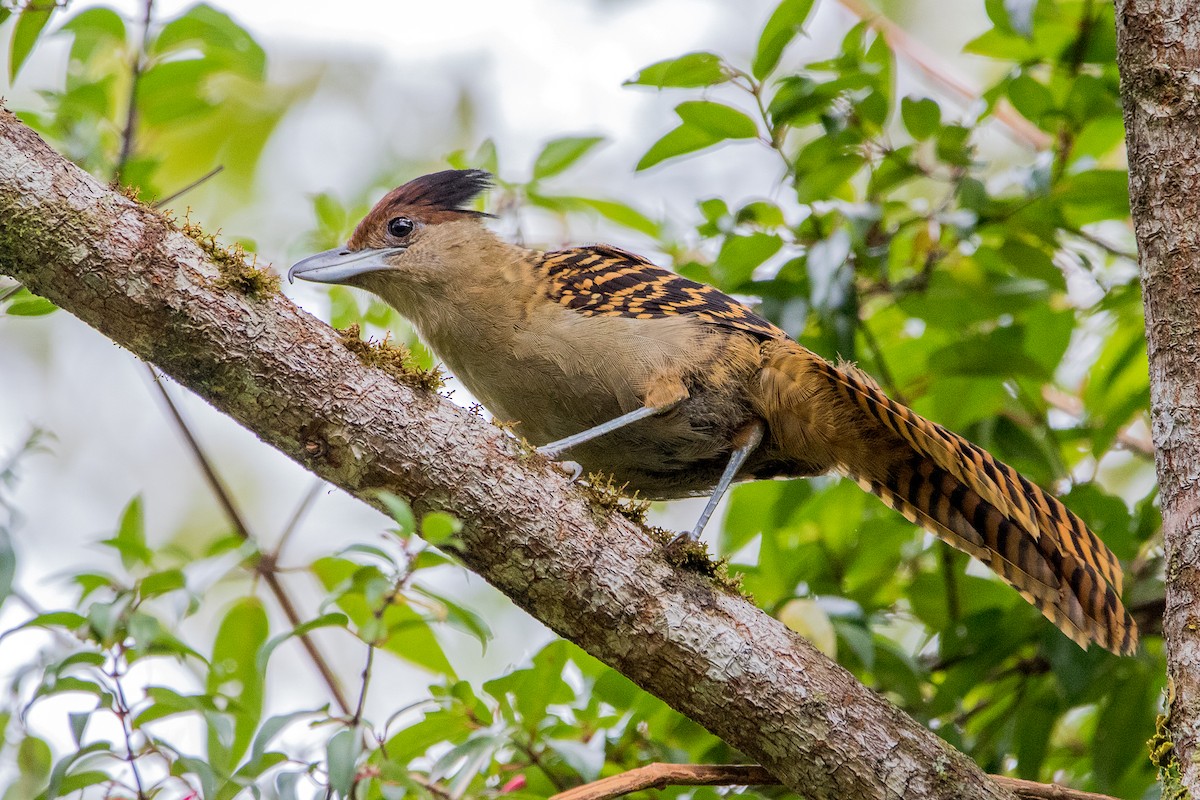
x=395, y=360
x=239, y=272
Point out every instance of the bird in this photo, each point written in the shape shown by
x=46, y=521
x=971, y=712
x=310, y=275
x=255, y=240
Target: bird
x=676, y=389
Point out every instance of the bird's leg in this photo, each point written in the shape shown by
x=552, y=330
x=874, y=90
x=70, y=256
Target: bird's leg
x=664, y=393
x=555, y=449
x=750, y=437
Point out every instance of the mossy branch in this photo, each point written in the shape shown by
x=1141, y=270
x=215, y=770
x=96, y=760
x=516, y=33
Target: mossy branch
x=599, y=579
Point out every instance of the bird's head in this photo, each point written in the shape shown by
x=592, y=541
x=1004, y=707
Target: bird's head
x=406, y=238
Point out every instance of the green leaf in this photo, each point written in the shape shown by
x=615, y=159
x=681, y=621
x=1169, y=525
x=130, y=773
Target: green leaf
x=624, y=215
x=54, y=788
x=1030, y=98
x=222, y=41
x=202, y=770
x=402, y=631
x=8, y=564
x=1126, y=721
x=786, y=21
x=922, y=116
x=272, y=728
x=83, y=657
x=532, y=689
x=168, y=702
x=343, y=308
x=69, y=683
x=57, y=619
x=461, y=617
x=558, y=154
x=24, y=303
x=687, y=71
x=954, y=145
x=81, y=780
x=432, y=729
x=585, y=759
x=286, y=785
x=30, y=24
x=34, y=761
x=161, y=583
x=1095, y=195
x=400, y=512
x=997, y=353
x=130, y=540
x=342, y=756
x=469, y=759
x=78, y=720
x=437, y=527
x=235, y=674
x=717, y=120
x=614, y=211
x=174, y=91
x=741, y=255
x=760, y=212
x=409, y=636
x=704, y=124
x=93, y=28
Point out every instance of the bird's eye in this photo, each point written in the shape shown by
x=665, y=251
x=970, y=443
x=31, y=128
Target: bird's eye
x=400, y=227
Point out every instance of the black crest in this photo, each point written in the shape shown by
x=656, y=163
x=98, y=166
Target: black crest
x=448, y=190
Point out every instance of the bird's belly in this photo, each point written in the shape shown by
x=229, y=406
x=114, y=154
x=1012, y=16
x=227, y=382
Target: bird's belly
x=679, y=453
x=578, y=376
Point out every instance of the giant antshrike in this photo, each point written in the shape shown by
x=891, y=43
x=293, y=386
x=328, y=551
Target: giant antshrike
x=677, y=389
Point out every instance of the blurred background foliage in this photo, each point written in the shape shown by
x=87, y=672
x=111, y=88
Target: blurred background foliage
x=970, y=248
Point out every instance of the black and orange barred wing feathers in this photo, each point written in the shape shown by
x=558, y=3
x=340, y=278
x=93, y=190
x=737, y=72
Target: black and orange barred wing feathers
x=602, y=280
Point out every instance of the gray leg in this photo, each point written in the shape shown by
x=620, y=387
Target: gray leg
x=555, y=449
x=736, y=459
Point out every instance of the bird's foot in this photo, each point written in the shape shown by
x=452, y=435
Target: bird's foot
x=572, y=469
x=692, y=536
x=689, y=553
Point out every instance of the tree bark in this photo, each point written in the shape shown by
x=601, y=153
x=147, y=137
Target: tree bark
x=1158, y=43
x=593, y=576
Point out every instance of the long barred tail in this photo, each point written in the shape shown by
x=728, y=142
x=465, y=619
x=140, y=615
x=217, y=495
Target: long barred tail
x=821, y=414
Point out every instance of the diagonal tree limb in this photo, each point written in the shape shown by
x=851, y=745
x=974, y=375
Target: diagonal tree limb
x=593, y=576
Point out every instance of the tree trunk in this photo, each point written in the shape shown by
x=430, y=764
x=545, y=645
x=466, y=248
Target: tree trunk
x=1158, y=44
x=593, y=576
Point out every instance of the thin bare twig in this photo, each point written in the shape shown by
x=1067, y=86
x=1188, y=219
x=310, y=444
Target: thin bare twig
x=266, y=566
x=937, y=71
x=123, y=712
x=212, y=173
x=293, y=523
x=1074, y=406
x=536, y=760
x=950, y=581
x=658, y=776
x=1111, y=249
x=135, y=76
x=885, y=372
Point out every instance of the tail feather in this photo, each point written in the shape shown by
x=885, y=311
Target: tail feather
x=953, y=488
x=1001, y=485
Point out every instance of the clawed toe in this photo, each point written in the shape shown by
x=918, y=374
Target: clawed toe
x=572, y=469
